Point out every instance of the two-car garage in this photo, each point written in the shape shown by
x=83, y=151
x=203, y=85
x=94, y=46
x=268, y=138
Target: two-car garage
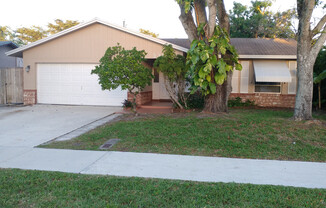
x=74, y=84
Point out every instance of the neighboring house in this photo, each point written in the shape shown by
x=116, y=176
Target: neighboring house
x=7, y=61
x=58, y=67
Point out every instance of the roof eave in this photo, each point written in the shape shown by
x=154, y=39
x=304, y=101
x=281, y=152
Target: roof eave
x=284, y=57
x=16, y=52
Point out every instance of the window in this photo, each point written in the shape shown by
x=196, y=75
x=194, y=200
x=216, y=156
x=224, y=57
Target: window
x=156, y=76
x=268, y=87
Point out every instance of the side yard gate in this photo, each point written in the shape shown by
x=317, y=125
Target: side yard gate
x=11, y=85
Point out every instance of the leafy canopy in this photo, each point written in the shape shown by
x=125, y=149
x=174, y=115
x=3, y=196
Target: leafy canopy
x=259, y=21
x=120, y=67
x=26, y=35
x=147, y=32
x=171, y=65
x=207, y=70
x=32, y=34
x=174, y=70
x=60, y=25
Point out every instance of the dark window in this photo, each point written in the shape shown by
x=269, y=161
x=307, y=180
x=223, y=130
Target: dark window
x=271, y=87
x=156, y=76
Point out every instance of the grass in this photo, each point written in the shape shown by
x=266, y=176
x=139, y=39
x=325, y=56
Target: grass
x=243, y=133
x=21, y=188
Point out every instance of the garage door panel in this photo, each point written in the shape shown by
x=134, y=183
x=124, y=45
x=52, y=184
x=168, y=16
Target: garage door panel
x=74, y=84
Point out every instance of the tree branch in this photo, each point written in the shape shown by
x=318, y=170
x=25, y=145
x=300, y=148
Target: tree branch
x=222, y=16
x=200, y=12
x=319, y=44
x=305, y=9
x=319, y=26
x=212, y=7
x=188, y=23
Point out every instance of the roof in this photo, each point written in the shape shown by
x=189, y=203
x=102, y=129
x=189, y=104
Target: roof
x=256, y=47
x=12, y=44
x=18, y=52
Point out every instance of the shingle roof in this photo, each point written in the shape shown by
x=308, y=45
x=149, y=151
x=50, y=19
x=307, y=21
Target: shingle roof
x=254, y=46
x=2, y=43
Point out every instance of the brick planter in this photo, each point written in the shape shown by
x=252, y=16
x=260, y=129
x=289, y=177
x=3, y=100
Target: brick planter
x=267, y=100
x=142, y=98
x=30, y=97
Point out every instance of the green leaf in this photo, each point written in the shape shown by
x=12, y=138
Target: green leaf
x=194, y=59
x=202, y=73
x=222, y=50
x=213, y=60
x=208, y=68
x=228, y=68
x=208, y=78
x=204, y=56
x=219, y=78
x=221, y=66
x=238, y=67
x=320, y=77
x=204, y=85
x=187, y=6
x=212, y=87
x=193, y=45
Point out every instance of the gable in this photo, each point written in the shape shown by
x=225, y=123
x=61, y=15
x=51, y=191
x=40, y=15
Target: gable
x=123, y=33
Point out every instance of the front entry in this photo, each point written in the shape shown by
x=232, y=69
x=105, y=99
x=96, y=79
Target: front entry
x=159, y=90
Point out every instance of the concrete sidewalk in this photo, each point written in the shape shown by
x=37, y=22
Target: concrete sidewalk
x=193, y=168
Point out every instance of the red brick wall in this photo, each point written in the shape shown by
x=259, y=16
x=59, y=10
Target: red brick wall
x=267, y=100
x=141, y=98
x=30, y=97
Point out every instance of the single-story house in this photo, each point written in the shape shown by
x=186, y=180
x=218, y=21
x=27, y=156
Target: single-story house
x=269, y=70
x=57, y=68
x=7, y=61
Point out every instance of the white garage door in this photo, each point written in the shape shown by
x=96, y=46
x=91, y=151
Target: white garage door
x=74, y=84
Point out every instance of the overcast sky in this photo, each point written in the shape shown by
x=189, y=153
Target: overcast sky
x=158, y=16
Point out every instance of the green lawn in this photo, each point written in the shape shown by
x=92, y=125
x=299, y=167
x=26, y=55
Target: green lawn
x=20, y=188
x=243, y=133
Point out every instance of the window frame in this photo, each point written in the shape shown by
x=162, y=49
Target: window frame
x=269, y=85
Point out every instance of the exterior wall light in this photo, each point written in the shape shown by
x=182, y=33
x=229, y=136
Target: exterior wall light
x=28, y=68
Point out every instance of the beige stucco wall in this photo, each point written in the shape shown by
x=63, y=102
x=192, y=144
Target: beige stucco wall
x=86, y=45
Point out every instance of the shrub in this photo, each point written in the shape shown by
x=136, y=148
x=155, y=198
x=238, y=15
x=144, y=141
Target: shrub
x=195, y=101
x=237, y=102
x=127, y=104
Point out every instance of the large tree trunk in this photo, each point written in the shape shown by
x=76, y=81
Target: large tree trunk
x=218, y=102
x=305, y=62
x=303, y=100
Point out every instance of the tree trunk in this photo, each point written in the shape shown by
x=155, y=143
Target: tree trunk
x=319, y=96
x=303, y=100
x=218, y=102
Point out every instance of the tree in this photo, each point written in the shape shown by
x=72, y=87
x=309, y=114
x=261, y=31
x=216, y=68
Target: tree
x=25, y=35
x=60, y=25
x=5, y=33
x=205, y=38
x=319, y=70
x=310, y=41
x=174, y=71
x=120, y=67
x=147, y=32
x=317, y=80
x=32, y=34
x=259, y=21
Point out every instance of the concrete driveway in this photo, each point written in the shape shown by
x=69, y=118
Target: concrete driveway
x=29, y=126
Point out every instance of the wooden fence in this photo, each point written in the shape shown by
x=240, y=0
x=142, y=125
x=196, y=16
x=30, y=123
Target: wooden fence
x=11, y=85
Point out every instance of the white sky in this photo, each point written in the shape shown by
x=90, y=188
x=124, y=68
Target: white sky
x=158, y=16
